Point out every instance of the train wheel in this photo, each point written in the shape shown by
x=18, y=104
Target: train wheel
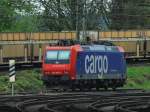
x=47, y=85
x=65, y=89
x=73, y=89
x=82, y=88
x=114, y=88
x=89, y=88
x=97, y=88
x=114, y=84
x=105, y=88
x=106, y=85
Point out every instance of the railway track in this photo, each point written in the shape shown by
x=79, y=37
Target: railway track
x=136, y=101
x=21, y=66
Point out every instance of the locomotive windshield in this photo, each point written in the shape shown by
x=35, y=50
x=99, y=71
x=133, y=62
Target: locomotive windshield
x=51, y=55
x=57, y=56
x=63, y=55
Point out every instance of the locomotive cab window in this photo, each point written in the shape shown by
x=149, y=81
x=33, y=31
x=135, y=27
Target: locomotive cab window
x=111, y=49
x=59, y=56
x=63, y=55
x=51, y=55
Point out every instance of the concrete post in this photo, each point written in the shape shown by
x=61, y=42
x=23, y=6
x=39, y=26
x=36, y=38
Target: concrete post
x=25, y=53
x=1, y=54
x=138, y=49
x=40, y=52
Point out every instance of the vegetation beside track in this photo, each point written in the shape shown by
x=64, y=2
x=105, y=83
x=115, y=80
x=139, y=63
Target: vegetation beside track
x=138, y=77
x=30, y=80
x=27, y=80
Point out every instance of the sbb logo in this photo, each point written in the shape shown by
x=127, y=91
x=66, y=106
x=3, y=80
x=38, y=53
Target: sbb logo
x=96, y=64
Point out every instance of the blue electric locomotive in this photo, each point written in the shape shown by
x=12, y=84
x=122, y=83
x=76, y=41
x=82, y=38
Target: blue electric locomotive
x=87, y=66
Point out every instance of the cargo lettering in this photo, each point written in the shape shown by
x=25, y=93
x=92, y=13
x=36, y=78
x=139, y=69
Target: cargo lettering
x=96, y=64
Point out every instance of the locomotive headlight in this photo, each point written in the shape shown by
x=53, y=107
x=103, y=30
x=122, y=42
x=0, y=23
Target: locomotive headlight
x=47, y=73
x=66, y=72
x=72, y=78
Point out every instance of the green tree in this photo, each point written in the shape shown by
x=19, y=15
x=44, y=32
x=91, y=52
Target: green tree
x=68, y=14
x=58, y=15
x=10, y=10
x=6, y=14
x=130, y=14
x=25, y=24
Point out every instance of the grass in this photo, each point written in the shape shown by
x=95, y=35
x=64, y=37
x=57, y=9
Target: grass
x=30, y=80
x=138, y=77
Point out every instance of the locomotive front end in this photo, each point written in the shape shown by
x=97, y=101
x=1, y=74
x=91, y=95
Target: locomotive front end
x=56, y=64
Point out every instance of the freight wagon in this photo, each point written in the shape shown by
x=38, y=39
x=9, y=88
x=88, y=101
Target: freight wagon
x=28, y=47
x=84, y=66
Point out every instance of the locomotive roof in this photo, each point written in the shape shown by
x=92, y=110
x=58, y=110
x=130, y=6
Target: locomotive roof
x=57, y=47
x=99, y=48
x=86, y=48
